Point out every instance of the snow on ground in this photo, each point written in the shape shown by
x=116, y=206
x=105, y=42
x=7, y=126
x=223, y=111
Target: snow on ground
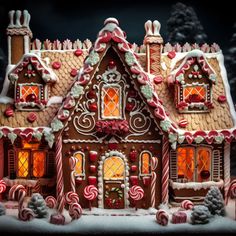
x=104, y=222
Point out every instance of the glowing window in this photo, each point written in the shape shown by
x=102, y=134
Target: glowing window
x=29, y=93
x=113, y=168
x=79, y=168
x=145, y=163
x=23, y=163
x=194, y=94
x=39, y=159
x=111, y=102
x=185, y=163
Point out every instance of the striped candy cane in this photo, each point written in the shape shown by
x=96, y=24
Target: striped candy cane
x=154, y=163
x=73, y=162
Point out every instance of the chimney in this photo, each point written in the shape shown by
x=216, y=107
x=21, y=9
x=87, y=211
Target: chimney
x=153, y=42
x=19, y=35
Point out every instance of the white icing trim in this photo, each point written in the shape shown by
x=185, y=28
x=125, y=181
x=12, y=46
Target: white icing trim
x=6, y=100
x=54, y=100
x=196, y=185
x=101, y=177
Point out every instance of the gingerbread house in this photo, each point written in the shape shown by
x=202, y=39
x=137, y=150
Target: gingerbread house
x=114, y=115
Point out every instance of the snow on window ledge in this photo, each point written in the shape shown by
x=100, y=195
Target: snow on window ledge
x=27, y=182
x=196, y=185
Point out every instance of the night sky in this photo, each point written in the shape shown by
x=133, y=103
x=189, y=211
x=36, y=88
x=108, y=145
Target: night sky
x=83, y=19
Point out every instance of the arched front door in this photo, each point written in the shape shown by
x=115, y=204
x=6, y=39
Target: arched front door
x=114, y=177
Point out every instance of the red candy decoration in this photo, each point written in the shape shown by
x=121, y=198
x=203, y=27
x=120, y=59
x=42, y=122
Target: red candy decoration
x=93, y=107
x=129, y=107
x=91, y=94
x=171, y=54
x=183, y=123
x=32, y=117
x=78, y=52
x=73, y=72
x=9, y=112
x=158, y=79
x=112, y=64
x=222, y=99
x=56, y=65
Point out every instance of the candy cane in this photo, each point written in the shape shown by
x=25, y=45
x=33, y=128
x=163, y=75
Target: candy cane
x=71, y=197
x=60, y=185
x=232, y=194
x=3, y=187
x=187, y=205
x=21, y=194
x=26, y=214
x=136, y=193
x=51, y=201
x=37, y=187
x=162, y=217
x=73, y=162
x=90, y=193
x=154, y=163
x=75, y=210
x=165, y=170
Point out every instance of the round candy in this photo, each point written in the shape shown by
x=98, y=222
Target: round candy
x=26, y=214
x=162, y=217
x=51, y=201
x=71, y=197
x=90, y=192
x=233, y=191
x=2, y=186
x=187, y=205
x=136, y=193
x=75, y=210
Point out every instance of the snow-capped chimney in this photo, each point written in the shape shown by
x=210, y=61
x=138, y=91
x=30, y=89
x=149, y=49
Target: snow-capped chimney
x=153, y=42
x=19, y=35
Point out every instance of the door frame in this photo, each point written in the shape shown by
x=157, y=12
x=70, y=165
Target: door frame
x=101, y=179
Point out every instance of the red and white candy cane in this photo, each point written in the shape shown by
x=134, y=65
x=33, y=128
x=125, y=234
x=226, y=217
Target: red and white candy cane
x=73, y=162
x=2, y=187
x=162, y=217
x=51, y=201
x=21, y=192
x=187, y=205
x=136, y=193
x=60, y=184
x=75, y=210
x=165, y=170
x=154, y=163
x=71, y=197
x=90, y=193
x=232, y=193
x=26, y=214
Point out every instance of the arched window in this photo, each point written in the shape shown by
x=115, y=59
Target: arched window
x=111, y=101
x=145, y=163
x=114, y=168
x=79, y=168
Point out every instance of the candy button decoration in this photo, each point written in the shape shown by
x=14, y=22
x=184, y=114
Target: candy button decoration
x=187, y=205
x=162, y=217
x=56, y=65
x=73, y=72
x=78, y=52
x=183, y=123
x=171, y=54
x=32, y=117
x=9, y=112
x=221, y=99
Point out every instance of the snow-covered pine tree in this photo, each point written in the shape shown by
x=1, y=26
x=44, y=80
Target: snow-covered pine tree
x=38, y=205
x=183, y=26
x=200, y=215
x=214, y=201
x=230, y=63
x=2, y=209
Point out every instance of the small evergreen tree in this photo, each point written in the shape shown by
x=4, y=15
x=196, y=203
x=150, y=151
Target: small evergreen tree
x=214, y=202
x=38, y=205
x=2, y=209
x=183, y=26
x=200, y=215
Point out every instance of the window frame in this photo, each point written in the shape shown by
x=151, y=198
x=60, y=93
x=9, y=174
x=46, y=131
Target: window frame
x=141, y=163
x=82, y=175
x=102, y=104
x=30, y=163
x=195, y=161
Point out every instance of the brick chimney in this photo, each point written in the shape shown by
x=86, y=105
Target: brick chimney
x=153, y=42
x=19, y=35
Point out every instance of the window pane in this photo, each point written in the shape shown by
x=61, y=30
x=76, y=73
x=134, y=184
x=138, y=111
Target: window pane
x=185, y=164
x=204, y=164
x=39, y=159
x=30, y=93
x=111, y=102
x=114, y=168
x=79, y=164
x=194, y=94
x=23, y=163
x=145, y=168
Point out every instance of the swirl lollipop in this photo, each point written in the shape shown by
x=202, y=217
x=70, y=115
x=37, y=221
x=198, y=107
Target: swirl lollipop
x=90, y=193
x=136, y=193
x=2, y=187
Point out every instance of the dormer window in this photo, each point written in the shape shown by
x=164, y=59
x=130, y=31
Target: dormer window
x=31, y=78
x=193, y=84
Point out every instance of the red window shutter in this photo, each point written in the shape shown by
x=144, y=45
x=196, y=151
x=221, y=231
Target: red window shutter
x=11, y=164
x=51, y=163
x=173, y=165
x=216, y=165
